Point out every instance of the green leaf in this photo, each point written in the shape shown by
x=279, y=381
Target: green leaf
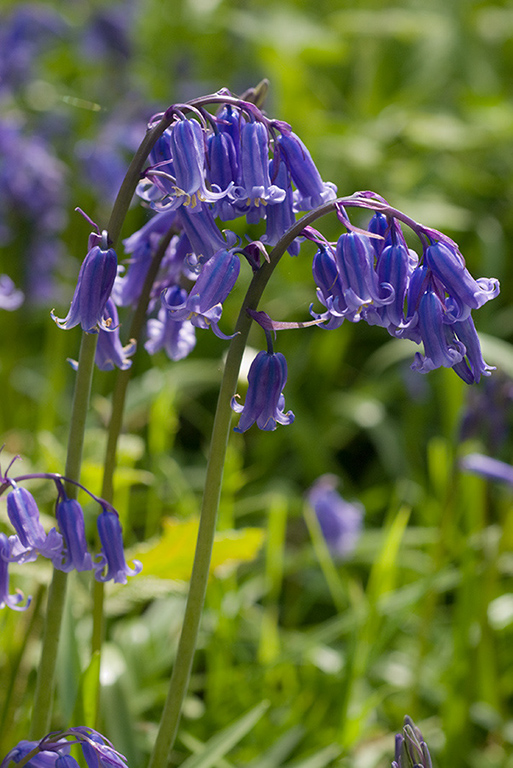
x=172, y=555
x=220, y=744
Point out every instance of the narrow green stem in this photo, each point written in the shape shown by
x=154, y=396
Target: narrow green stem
x=42, y=708
x=180, y=676
x=115, y=424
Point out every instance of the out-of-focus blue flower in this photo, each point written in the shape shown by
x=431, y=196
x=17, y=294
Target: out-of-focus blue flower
x=486, y=466
x=112, y=555
x=10, y=297
x=176, y=337
x=110, y=353
x=33, y=540
x=411, y=750
x=94, y=286
x=265, y=402
x=312, y=191
x=71, y=523
x=488, y=413
x=340, y=521
x=24, y=32
x=141, y=246
x=11, y=601
x=204, y=304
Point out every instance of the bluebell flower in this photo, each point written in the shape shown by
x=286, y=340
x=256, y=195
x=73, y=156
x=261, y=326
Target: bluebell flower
x=312, y=191
x=11, y=601
x=448, y=265
x=42, y=759
x=472, y=367
x=204, y=304
x=112, y=555
x=256, y=190
x=110, y=353
x=265, y=402
x=355, y=256
x=280, y=216
x=394, y=267
x=10, y=297
x=411, y=750
x=97, y=750
x=488, y=467
x=203, y=233
x=94, y=286
x=33, y=540
x=187, y=186
x=223, y=171
x=66, y=761
x=441, y=348
x=330, y=291
x=340, y=521
x=176, y=337
x=70, y=519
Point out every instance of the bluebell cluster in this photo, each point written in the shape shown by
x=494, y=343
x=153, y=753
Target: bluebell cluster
x=53, y=751
x=65, y=545
x=207, y=169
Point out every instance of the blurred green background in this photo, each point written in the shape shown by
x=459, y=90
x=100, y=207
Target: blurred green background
x=414, y=101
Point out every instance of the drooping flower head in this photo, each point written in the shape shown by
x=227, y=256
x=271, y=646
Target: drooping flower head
x=265, y=402
x=33, y=539
x=94, y=286
x=204, y=304
x=71, y=523
x=112, y=555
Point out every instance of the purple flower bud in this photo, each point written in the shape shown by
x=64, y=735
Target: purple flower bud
x=340, y=521
x=312, y=190
x=265, y=402
x=24, y=516
x=112, y=554
x=71, y=523
x=94, y=286
x=411, y=750
x=11, y=601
